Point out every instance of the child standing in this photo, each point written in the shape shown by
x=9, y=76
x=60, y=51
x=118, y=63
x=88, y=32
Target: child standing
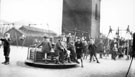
x=6, y=47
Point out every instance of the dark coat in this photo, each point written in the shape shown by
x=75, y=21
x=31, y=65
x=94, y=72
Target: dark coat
x=79, y=47
x=6, y=43
x=92, y=48
x=71, y=47
x=46, y=46
x=59, y=47
x=6, y=46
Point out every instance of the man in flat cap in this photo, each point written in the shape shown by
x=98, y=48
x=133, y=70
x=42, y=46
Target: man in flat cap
x=46, y=46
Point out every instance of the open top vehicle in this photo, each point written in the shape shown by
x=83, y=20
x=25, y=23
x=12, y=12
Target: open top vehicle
x=35, y=56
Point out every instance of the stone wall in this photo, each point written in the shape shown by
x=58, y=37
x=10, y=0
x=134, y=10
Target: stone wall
x=76, y=15
x=79, y=17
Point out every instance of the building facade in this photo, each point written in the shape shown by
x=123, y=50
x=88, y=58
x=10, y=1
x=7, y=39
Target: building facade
x=81, y=17
x=26, y=35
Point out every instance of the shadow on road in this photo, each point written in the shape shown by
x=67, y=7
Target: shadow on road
x=31, y=65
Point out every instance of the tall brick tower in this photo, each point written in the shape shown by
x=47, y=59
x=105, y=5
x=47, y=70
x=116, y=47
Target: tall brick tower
x=81, y=17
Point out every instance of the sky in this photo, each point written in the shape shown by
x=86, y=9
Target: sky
x=117, y=13
x=40, y=12
x=114, y=13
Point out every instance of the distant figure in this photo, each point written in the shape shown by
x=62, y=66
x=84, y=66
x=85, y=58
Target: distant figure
x=46, y=47
x=101, y=47
x=92, y=50
x=85, y=49
x=79, y=50
x=60, y=50
x=115, y=51
x=71, y=47
x=6, y=47
x=133, y=48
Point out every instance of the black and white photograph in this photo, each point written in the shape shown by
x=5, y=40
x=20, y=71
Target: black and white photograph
x=67, y=38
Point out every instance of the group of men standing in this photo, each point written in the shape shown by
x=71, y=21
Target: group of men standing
x=78, y=49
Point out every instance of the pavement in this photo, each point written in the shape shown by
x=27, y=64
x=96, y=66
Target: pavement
x=106, y=67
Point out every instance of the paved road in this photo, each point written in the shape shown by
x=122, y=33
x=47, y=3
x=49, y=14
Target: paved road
x=106, y=68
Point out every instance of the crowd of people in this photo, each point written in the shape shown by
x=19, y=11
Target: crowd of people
x=68, y=48
x=75, y=49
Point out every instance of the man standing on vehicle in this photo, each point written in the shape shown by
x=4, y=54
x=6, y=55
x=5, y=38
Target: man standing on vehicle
x=46, y=47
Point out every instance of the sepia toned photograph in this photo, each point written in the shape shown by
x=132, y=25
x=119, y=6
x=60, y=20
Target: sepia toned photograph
x=67, y=38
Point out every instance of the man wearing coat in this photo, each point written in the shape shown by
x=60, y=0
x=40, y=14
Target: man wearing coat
x=60, y=49
x=92, y=50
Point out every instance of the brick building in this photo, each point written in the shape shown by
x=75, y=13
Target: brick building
x=81, y=17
